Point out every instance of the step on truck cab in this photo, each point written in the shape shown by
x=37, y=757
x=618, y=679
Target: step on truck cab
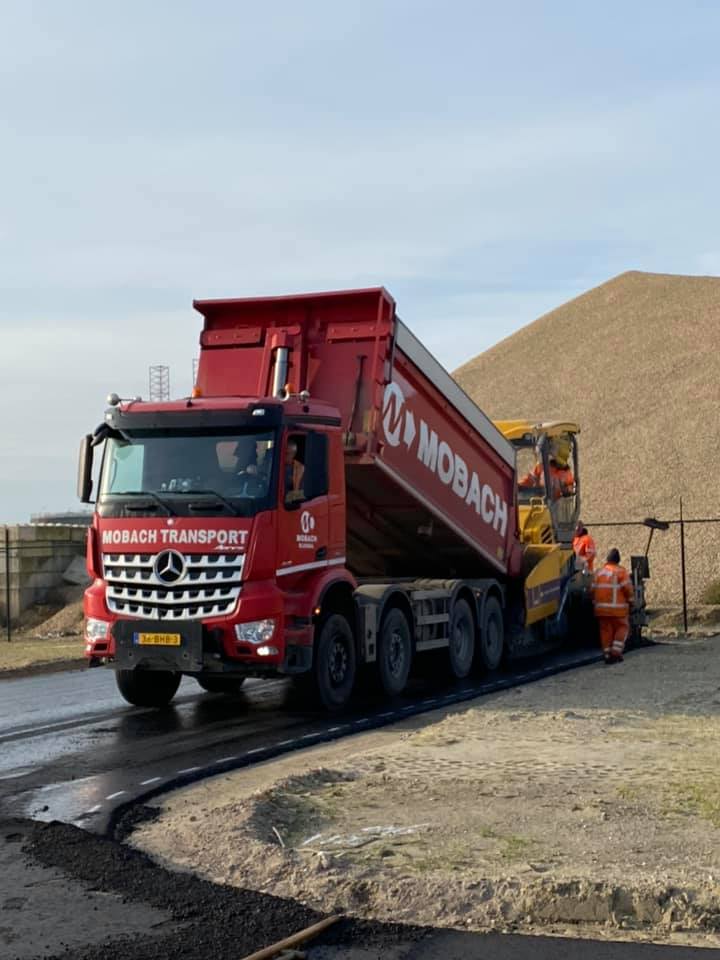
x=327, y=497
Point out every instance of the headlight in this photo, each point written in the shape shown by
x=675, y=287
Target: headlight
x=96, y=629
x=257, y=631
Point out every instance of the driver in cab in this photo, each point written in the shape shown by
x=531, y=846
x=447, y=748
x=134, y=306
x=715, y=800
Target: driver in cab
x=252, y=466
x=294, y=472
x=562, y=479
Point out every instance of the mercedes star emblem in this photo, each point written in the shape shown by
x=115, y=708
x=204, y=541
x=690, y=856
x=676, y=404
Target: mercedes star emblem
x=169, y=566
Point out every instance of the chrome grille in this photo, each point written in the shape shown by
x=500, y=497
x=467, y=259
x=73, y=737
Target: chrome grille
x=209, y=586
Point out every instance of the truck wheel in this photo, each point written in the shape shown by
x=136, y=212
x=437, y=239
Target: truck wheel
x=462, y=640
x=334, y=662
x=492, y=635
x=228, y=685
x=147, y=688
x=394, y=653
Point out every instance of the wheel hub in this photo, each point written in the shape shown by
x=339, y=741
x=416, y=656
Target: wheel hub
x=493, y=637
x=338, y=662
x=396, y=654
x=460, y=639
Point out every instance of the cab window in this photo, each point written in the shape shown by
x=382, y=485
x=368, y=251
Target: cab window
x=305, y=467
x=294, y=468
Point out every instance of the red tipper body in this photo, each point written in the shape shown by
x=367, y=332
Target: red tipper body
x=430, y=482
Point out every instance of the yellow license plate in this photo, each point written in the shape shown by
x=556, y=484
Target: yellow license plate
x=158, y=639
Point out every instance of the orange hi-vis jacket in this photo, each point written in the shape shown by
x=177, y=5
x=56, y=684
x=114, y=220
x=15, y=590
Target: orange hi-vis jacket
x=612, y=591
x=585, y=551
x=562, y=480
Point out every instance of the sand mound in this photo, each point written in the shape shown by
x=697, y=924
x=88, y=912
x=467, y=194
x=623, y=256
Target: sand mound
x=67, y=622
x=635, y=361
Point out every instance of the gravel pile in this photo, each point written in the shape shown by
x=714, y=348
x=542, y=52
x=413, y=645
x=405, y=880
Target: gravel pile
x=635, y=363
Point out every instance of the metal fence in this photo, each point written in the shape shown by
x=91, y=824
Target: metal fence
x=684, y=561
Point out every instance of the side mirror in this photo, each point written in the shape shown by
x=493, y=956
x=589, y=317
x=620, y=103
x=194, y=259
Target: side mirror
x=85, y=465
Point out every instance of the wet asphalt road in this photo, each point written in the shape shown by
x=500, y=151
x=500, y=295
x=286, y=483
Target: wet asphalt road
x=70, y=745
x=72, y=750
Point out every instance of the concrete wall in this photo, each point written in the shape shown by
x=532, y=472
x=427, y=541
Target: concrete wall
x=35, y=559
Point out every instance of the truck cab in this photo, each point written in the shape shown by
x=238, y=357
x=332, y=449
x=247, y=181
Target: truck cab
x=218, y=526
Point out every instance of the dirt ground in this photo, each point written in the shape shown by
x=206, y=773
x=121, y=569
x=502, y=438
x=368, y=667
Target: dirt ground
x=587, y=804
x=46, y=638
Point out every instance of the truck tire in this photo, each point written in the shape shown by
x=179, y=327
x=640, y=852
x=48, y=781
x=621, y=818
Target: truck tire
x=492, y=635
x=461, y=646
x=394, y=654
x=147, y=688
x=334, y=662
x=227, y=685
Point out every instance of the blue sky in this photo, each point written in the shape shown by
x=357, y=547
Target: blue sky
x=485, y=162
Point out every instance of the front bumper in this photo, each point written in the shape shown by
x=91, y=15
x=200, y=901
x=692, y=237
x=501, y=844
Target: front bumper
x=132, y=650
x=207, y=645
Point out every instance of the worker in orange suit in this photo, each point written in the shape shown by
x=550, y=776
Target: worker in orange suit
x=584, y=547
x=562, y=479
x=612, y=595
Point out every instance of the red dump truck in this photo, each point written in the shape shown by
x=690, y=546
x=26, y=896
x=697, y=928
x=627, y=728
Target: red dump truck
x=327, y=497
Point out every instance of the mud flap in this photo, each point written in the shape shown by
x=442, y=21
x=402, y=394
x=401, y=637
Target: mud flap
x=132, y=649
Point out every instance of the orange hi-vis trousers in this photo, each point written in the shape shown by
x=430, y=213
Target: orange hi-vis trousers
x=613, y=634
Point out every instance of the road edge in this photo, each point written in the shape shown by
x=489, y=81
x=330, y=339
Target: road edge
x=43, y=667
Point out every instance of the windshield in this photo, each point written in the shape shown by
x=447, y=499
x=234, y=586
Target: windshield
x=190, y=473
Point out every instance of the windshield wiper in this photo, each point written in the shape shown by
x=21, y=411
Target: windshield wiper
x=218, y=496
x=150, y=495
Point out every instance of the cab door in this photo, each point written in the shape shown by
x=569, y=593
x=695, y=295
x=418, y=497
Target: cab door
x=303, y=505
